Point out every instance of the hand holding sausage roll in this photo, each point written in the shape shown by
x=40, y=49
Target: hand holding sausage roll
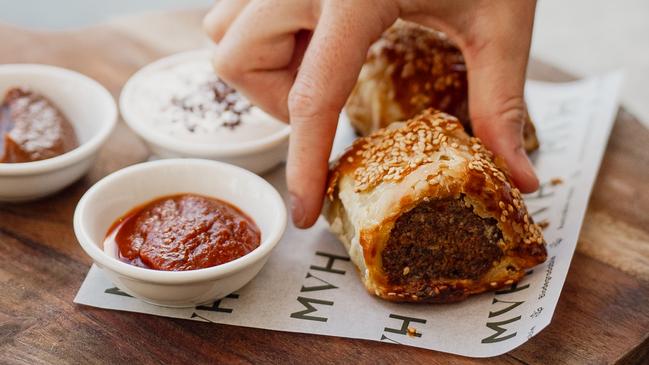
x=299, y=61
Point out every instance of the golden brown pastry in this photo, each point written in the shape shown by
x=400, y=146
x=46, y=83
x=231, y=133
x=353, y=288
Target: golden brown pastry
x=427, y=215
x=411, y=68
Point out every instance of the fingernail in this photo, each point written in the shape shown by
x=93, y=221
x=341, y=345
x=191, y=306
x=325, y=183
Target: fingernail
x=297, y=211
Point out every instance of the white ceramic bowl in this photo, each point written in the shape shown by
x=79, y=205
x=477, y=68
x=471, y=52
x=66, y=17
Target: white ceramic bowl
x=119, y=192
x=87, y=105
x=258, y=155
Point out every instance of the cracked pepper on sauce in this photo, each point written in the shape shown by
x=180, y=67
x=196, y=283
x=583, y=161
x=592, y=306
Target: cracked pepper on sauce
x=183, y=232
x=32, y=128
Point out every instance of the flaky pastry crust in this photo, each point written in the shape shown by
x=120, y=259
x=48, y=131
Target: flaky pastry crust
x=382, y=177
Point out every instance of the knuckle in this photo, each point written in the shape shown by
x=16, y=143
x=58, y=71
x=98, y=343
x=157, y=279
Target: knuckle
x=303, y=102
x=225, y=67
x=214, y=31
x=310, y=101
x=506, y=121
x=513, y=111
x=214, y=26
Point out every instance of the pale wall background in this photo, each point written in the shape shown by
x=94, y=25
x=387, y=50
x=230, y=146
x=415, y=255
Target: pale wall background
x=585, y=37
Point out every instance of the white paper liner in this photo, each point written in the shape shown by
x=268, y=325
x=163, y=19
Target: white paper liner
x=294, y=293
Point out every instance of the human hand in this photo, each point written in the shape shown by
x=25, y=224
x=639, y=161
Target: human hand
x=300, y=59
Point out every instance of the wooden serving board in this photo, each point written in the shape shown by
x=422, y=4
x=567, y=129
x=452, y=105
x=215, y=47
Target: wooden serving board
x=602, y=315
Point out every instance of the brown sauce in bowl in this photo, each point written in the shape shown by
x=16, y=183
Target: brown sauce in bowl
x=183, y=232
x=32, y=128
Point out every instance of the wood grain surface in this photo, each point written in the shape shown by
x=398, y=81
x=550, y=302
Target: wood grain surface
x=602, y=315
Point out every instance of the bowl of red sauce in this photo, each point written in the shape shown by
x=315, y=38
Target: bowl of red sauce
x=180, y=232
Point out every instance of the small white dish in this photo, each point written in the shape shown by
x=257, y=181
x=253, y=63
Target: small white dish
x=86, y=104
x=257, y=155
x=121, y=191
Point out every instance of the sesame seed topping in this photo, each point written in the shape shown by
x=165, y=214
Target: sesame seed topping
x=390, y=155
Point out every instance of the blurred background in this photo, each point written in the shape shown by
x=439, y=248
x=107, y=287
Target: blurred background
x=583, y=37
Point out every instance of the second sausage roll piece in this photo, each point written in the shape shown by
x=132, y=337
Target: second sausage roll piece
x=409, y=69
x=426, y=214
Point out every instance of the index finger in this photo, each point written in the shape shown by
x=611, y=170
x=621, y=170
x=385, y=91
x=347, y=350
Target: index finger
x=328, y=73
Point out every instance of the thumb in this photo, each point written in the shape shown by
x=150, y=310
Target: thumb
x=502, y=132
x=496, y=73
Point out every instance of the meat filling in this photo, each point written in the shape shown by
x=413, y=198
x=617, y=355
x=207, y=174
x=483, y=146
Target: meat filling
x=440, y=239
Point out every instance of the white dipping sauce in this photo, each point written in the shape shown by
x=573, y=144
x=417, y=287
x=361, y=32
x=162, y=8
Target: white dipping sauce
x=189, y=102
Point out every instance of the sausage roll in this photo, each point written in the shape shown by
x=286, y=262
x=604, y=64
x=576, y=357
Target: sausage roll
x=411, y=68
x=428, y=215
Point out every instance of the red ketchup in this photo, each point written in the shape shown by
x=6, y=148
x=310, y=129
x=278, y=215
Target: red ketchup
x=183, y=232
